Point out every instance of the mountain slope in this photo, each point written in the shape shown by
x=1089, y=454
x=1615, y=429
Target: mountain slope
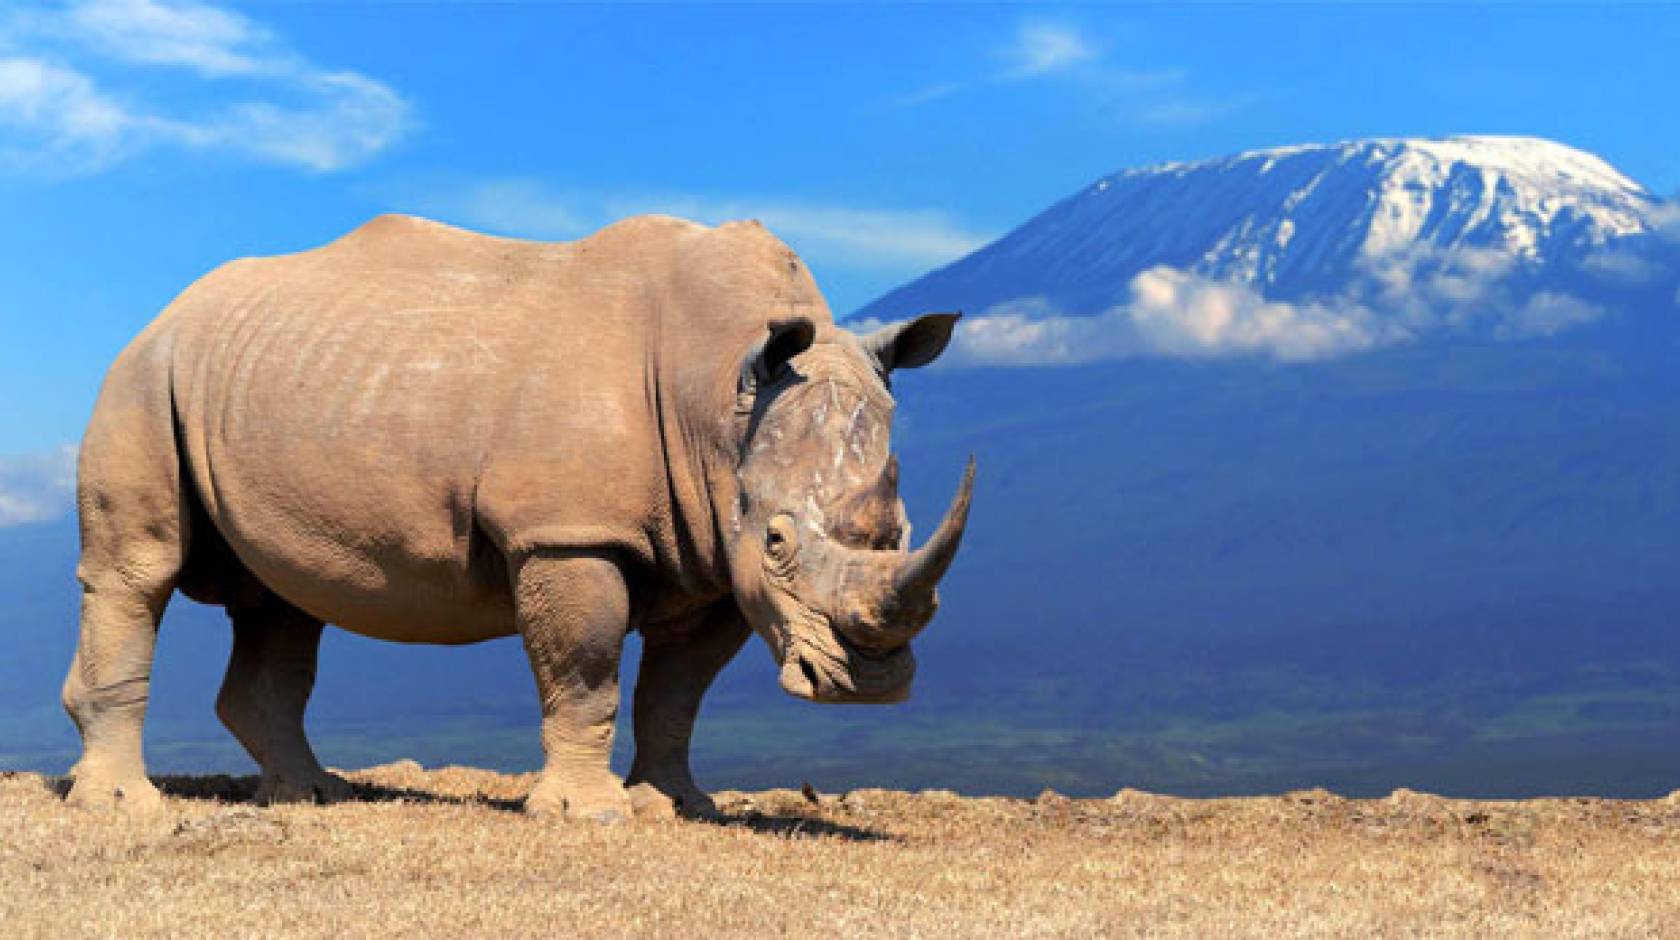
x=1297, y=222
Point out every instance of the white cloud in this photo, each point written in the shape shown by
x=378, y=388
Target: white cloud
x=211, y=41
x=1422, y=283
x=1042, y=48
x=1397, y=298
x=60, y=111
x=1180, y=314
x=1174, y=314
x=37, y=487
x=1470, y=291
x=350, y=119
x=75, y=99
x=870, y=238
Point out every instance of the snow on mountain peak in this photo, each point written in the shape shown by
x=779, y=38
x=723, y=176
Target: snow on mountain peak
x=1519, y=194
x=1300, y=221
x=1309, y=252
x=1536, y=160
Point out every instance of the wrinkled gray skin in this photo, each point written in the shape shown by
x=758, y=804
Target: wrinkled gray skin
x=426, y=435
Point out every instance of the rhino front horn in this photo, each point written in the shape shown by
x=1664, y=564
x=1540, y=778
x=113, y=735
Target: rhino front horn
x=924, y=567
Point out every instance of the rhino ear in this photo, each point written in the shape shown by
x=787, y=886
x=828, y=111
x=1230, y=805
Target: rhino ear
x=909, y=344
x=766, y=361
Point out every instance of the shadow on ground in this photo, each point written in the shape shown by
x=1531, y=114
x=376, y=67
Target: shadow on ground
x=242, y=790
x=795, y=826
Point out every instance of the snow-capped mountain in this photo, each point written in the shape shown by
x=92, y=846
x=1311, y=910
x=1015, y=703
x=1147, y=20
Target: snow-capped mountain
x=1295, y=222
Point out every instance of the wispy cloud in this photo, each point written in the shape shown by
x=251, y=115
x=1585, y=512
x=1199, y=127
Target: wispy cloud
x=861, y=237
x=1041, y=50
x=1036, y=50
x=74, y=90
x=208, y=40
x=36, y=487
x=58, y=113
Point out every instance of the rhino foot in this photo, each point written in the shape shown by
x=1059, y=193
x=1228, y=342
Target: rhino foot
x=684, y=797
x=698, y=805
x=691, y=802
x=318, y=787
x=602, y=803
x=131, y=796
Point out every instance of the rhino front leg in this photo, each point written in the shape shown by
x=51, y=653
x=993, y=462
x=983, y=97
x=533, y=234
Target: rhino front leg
x=673, y=678
x=263, y=697
x=573, y=611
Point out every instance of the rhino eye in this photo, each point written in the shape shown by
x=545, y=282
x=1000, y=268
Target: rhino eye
x=779, y=540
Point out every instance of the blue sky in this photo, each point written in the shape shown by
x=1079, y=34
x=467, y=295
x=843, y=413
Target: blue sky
x=143, y=141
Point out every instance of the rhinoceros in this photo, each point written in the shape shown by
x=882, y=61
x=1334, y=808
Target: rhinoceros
x=428, y=435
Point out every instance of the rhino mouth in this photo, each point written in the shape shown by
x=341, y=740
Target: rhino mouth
x=833, y=669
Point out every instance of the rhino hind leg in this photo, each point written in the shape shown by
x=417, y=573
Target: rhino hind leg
x=573, y=611
x=269, y=678
x=135, y=530
x=673, y=677
x=108, y=687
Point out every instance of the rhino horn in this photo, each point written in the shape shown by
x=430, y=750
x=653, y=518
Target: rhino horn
x=884, y=597
x=921, y=570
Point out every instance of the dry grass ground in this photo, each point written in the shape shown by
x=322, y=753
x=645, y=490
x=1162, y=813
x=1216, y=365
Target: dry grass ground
x=445, y=853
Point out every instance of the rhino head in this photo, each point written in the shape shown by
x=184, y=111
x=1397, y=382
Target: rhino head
x=821, y=562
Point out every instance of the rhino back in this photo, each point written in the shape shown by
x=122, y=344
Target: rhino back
x=352, y=417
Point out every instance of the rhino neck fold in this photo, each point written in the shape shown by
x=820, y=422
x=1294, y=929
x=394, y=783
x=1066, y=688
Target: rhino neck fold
x=694, y=565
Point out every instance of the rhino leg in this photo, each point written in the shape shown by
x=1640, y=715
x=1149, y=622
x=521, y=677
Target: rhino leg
x=107, y=690
x=134, y=537
x=673, y=678
x=573, y=611
x=263, y=697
